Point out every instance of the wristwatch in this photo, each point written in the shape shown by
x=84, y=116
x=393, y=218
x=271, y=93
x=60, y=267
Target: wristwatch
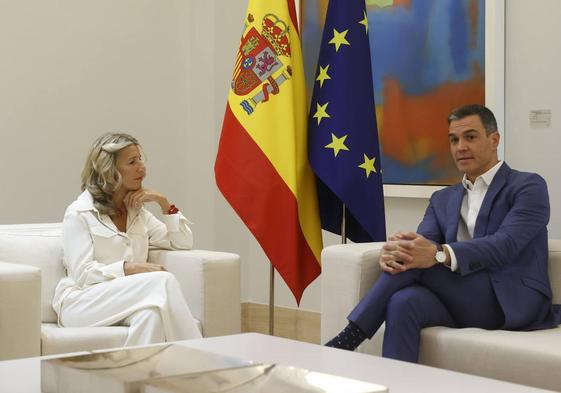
x=440, y=255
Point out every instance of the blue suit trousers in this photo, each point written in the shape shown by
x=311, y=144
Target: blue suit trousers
x=418, y=298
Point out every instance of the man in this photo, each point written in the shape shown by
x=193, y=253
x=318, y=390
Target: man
x=478, y=259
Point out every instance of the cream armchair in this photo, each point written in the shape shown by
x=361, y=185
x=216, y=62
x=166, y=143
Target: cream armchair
x=529, y=358
x=31, y=266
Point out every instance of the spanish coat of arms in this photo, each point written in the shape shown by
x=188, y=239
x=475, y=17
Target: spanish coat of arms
x=258, y=61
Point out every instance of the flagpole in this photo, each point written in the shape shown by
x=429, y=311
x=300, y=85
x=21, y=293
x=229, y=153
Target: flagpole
x=272, y=301
x=344, y=226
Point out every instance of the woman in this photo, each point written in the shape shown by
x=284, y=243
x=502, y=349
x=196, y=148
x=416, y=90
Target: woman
x=106, y=234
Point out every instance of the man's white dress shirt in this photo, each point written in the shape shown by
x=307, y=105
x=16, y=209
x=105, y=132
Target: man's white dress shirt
x=471, y=204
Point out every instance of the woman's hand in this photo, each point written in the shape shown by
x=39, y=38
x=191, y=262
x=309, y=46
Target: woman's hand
x=135, y=199
x=140, y=267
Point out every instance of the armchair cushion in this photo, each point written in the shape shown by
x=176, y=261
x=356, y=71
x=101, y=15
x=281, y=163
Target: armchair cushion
x=36, y=245
x=206, y=281
x=20, y=315
x=529, y=358
x=55, y=339
x=348, y=272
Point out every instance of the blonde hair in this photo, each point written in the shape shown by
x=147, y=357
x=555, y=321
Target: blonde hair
x=100, y=175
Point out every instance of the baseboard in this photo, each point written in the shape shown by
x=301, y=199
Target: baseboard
x=289, y=322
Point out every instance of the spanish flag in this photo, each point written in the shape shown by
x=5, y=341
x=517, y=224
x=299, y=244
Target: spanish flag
x=262, y=166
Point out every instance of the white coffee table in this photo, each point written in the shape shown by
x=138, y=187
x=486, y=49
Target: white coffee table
x=24, y=375
x=399, y=377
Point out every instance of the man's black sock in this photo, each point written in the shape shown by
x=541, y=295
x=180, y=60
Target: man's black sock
x=349, y=338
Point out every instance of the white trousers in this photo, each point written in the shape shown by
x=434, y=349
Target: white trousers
x=151, y=304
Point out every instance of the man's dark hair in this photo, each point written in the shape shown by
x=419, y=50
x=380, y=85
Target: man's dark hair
x=485, y=115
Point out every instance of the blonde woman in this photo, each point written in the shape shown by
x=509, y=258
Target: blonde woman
x=106, y=234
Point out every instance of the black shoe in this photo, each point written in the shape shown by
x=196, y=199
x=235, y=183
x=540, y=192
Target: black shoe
x=349, y=338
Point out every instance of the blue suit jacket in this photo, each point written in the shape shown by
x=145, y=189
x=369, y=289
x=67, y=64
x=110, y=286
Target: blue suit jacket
x=510, y=241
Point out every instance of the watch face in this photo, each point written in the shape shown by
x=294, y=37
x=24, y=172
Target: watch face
x=440, y=257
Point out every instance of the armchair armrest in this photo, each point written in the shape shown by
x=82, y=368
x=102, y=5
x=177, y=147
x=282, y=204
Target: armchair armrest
x=348, y=272
x=20, y=311
x=210, y=281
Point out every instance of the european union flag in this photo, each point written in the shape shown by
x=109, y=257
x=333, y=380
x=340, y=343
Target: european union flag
x=343, y=136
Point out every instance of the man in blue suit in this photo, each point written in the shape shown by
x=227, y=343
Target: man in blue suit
x=478, y=258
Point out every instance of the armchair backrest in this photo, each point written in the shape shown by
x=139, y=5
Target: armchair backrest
x=38, y=245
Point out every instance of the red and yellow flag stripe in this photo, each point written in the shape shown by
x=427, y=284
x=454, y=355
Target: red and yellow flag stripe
x=262, y=165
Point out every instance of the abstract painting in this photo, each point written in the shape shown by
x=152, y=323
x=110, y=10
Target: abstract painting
x=428, y=57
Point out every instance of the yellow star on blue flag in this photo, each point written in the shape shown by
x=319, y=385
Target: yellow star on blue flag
x=323, y=75
x=339, y=38
x=364, y=22
x=337, y=144
x=321, y=112
x=368, y=165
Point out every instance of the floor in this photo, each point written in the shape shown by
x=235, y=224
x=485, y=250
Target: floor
x=290, y=323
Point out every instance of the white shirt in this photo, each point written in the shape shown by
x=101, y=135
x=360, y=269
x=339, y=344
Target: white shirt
x=471, y=204
x=95, y=250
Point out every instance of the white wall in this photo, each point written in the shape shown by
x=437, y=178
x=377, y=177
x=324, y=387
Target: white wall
x=72, y=69
x=533, y=81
